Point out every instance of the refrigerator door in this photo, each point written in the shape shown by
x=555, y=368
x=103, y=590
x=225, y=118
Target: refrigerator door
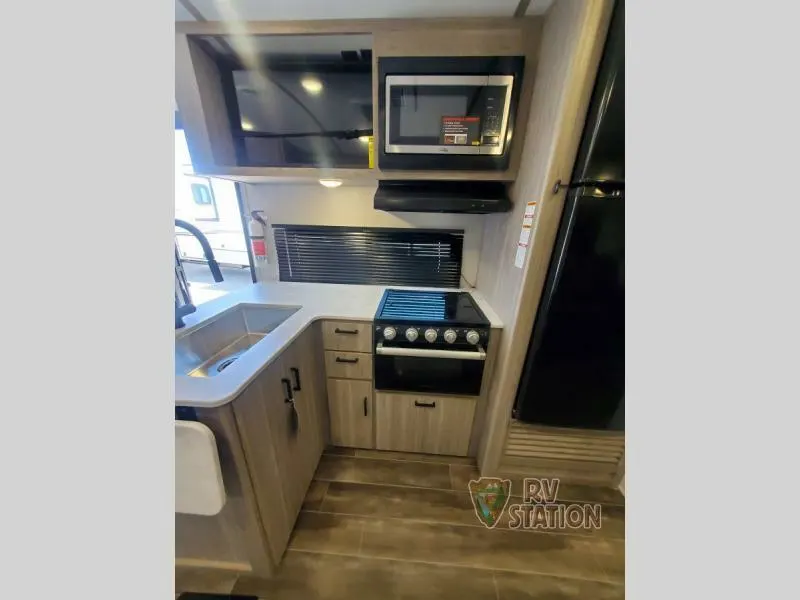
x=601, y=156
x=575, y=368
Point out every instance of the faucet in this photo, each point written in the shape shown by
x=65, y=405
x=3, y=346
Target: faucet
x=183, y=300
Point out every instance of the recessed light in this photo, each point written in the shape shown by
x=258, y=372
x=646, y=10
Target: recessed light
x=364, y=139
x=331, y=183
x=311, y=85
x=247, y=125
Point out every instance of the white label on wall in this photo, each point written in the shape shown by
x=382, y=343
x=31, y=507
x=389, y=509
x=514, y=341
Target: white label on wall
x=519, y=259
x=525, y=235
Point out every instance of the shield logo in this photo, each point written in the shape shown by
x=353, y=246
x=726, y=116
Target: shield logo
x=490, y=495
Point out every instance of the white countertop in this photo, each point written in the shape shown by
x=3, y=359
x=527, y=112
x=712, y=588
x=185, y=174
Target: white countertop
x=316, y=301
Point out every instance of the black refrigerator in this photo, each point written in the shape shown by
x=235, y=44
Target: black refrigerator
x=574, y=372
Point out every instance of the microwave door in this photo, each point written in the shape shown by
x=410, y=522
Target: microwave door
x=454, y=114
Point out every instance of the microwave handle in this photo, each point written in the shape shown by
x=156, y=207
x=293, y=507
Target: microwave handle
x=428, y=353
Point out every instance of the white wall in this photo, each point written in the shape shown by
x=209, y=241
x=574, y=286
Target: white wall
x=351, y=205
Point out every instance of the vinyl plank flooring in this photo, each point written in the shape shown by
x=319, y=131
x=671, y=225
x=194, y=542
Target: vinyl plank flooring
x=386, y=472
x=305, y=575
x=308, y=576
x=460, y=476
x=315, y=495
x=523, y=586
x=204, y=581
x=413, y=581
x=340, y=451
x=323, y=532
x=575, y=492
x=441, y=506
x=568, y=556
x=612, y=521
x=611, y=558
x=415, y=457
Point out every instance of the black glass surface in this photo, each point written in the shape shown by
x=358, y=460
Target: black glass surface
x=430, y=306
x=428, y=375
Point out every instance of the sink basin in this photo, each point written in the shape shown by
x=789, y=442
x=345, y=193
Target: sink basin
x=208, y=350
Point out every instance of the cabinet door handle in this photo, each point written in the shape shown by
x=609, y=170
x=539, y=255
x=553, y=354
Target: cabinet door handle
x=287, y=388
x=424, y=404
x=365, y=406
x=296, y=372
x=346, y=331
x=346, y=360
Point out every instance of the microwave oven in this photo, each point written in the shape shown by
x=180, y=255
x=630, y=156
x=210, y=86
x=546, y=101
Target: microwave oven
x=447, y=113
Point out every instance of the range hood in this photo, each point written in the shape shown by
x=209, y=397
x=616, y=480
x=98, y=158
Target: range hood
x=477, y=197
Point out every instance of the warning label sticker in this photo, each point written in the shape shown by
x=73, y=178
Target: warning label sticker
x=460, y=131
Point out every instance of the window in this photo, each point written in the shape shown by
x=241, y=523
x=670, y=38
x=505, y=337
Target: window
x=369, y=255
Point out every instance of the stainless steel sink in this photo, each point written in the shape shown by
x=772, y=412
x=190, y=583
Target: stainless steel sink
x=208, y=350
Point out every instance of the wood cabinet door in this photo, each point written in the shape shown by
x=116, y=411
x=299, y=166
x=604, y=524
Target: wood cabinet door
x=282, y=449
x=428, y=424
x=305, y=443
x=350, y=407
x=262, y=420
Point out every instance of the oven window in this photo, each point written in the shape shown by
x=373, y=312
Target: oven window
x=428, y=375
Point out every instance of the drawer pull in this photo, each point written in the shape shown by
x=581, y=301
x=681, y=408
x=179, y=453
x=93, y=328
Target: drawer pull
x=339, y=359
x=424, y=404
x=296, y=372
x=346, y=331
x=365, y=406
x=287, y=389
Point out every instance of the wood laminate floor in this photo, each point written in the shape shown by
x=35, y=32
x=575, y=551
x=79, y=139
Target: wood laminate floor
x=389, y=525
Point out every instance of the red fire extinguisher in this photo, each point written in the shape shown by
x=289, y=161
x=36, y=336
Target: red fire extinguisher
x=257, y=230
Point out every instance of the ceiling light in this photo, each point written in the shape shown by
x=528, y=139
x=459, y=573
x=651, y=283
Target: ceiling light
x=364, y=139
x=331, y=183
x=247, y=125
x=311, y=85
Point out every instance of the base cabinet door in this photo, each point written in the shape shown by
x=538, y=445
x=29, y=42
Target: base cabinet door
x=428, y=424
x=350, y=408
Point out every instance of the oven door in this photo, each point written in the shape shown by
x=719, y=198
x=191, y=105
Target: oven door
x=433, y=371
x=451, y=114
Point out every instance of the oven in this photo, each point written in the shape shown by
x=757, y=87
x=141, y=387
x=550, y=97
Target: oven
x=438, y=370
x=447, y=113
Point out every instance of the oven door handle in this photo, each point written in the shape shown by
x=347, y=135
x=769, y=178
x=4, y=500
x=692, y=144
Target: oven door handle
x=428, y=353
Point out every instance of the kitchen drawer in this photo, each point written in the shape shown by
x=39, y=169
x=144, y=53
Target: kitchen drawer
x=422, y=423
x=347, y=335
x=348, y=365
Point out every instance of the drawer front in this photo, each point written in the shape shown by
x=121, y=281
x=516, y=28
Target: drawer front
x=348, y=336
x=348, y=365
x=429, y=424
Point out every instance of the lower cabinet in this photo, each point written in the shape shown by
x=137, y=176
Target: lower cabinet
x=351, y=413
x=429, y=424
x=279, y=424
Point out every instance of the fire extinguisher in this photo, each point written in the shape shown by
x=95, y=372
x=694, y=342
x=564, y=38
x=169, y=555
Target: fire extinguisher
x=257, y=230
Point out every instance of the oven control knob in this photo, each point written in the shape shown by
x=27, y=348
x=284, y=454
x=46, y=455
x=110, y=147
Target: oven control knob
x=389, y=333
x=450, y=336
x=430, y=335
x=473, y=337
x=411, y=334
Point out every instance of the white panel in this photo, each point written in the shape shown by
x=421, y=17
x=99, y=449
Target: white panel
x=281, y=10
x=538, y=7
x=199, y=489
x=181, y=14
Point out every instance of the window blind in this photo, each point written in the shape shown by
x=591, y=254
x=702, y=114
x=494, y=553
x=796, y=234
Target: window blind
x=369, y=255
